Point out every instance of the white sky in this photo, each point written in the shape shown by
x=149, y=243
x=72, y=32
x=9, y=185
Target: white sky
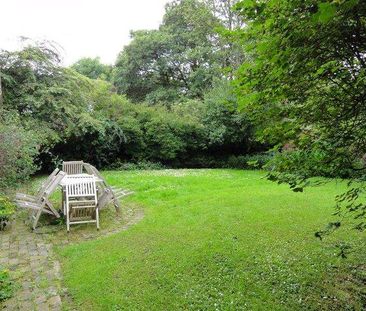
x=83, y=28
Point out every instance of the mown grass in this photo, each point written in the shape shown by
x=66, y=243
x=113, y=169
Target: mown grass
x=217, y=240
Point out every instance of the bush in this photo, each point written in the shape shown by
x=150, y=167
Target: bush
x=254, y=161
x=331, y=163
x=143, y=165
x=18, y=149
x=58, y=114
x=260, y=160
x=6, y=285
x=7, y=208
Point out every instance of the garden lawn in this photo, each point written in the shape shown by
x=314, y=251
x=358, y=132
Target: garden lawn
x=217, y=240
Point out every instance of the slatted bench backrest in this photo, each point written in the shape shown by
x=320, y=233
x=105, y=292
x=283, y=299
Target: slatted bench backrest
x=54, y=183
x=73, y=167
x=47, y=182
x=93, y=171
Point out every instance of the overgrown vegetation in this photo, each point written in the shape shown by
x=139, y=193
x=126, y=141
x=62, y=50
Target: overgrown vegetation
x=251, y=84
x=7, y=209
x=303, y=85
x=6, y=285
x=18, y=148
x=167, y=100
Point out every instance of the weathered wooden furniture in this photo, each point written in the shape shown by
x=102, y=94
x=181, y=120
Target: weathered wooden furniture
x=74, y=179
x=81, y=201
x=37, y=197
x=72, y=167
x=106, y=193
x=42, y=204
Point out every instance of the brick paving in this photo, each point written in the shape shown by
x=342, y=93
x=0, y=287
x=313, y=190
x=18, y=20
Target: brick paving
x=32, y=264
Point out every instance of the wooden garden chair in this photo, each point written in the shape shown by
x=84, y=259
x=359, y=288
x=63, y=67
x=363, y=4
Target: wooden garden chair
x=37, y=197
x=81, y=202
x=107, y=193
x=42, y=204
x=72, y=167
x=74, y=179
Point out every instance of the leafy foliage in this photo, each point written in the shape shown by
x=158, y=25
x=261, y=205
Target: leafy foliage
x=180, y=59
x=65, y=116
x=303, y=84
x=93, y=68
x=6, y=285
x=7, y=208
x=143, y=165
x=254, y=161
x=18, y=148
x=309, y=62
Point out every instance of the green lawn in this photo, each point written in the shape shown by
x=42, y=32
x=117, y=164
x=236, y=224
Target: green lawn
x=216, y=240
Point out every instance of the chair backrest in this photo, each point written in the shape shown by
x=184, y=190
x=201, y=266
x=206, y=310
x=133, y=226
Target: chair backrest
x=47, y=182
x=72, y=167
x=53, y=184
x=93, y=171
x=81, y=187
x=90, y=169
x=105, y=198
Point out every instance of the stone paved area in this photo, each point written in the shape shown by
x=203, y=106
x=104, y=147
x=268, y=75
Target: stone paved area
x=31, y=262
x=33, y=265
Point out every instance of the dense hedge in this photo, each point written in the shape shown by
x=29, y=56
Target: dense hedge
x=18, y=148
x=51, y=113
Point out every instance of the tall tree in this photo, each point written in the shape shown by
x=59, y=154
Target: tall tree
x=224, y=10
x=142, y=68
x=93, y=68
x=179, y=59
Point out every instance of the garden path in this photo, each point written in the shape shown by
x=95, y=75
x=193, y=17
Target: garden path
x=33, y=266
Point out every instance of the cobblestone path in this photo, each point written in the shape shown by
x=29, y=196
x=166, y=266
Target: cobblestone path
x=32, y=264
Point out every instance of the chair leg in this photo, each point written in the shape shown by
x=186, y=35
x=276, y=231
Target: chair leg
x=97, y=217
x=31, y=214
x=116, y=204
x=36, y=218
x=67, y=219
x=67, y=224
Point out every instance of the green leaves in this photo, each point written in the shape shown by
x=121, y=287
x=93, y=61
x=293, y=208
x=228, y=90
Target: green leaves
x=18, y=148
x=326, y=11
x=7, y=208
x=303, y=83
x=93, y=68
x=6, y=285
x=179, y=60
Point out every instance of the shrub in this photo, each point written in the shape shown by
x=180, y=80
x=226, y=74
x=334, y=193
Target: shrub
x=6, y=285
x=253, y=161
x=259, y=160
x=142, y=165
x=317, y=162
x=18, y=148
x=7, y=208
